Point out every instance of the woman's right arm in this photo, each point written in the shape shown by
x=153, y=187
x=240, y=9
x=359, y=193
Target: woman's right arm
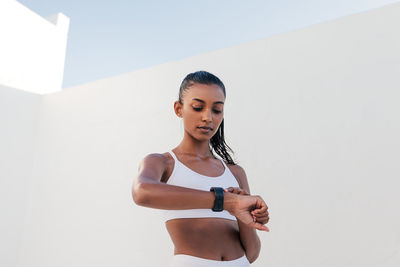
x=149, y=191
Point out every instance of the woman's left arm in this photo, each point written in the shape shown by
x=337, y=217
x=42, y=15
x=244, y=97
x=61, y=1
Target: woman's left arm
x=250, y=241
x=248, y=236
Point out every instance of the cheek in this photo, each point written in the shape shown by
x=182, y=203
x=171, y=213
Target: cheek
x=191, y=115
x=190, y=118
x=219, y=117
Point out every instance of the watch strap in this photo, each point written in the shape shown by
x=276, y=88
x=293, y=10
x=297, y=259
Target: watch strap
x=219, y=198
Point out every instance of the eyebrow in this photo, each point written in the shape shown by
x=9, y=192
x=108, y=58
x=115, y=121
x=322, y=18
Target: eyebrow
x=202, y=101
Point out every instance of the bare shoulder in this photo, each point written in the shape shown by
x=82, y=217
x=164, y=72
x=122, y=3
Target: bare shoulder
x=159, y=166
x=240, y=176
x=154, y=159
x=155, y=164
x=236, y=169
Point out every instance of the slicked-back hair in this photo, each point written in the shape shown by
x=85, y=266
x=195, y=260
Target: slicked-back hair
x=217, y=142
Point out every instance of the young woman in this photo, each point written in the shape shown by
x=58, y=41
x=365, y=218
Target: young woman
x=208, y=228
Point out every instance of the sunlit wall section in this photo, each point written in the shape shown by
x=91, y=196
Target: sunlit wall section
x=19, y=126
x=32, y=48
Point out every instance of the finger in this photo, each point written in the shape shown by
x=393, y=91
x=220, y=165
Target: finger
x=243, y=192
x=261, y=207
x=238, y=191
x=258, y=211
x=261, y=218
x=260, y=227
x=261, y=214
x=229, y=189
x=262, y=221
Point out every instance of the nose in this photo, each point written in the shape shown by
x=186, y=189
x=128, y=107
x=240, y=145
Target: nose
x=207, y=115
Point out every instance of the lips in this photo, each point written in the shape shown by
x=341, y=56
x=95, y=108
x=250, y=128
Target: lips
x=205, y=127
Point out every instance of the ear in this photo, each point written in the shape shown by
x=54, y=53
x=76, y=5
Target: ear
x=178, y=109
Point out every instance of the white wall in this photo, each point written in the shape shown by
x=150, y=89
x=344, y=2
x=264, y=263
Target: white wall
x=311, y=114
x=19, y=116
x=32, y=48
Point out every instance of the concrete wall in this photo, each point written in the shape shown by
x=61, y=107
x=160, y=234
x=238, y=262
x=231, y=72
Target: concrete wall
x=311, y=114
x=19, y=118
x=32, y=48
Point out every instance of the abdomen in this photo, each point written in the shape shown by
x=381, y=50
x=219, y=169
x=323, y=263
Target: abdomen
x=210, y=238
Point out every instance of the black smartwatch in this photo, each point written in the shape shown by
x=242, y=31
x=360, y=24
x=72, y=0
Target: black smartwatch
x=219, y=198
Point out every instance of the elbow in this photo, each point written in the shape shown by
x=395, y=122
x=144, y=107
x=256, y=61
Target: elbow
x=252, y=257
x=141, y=192
x=137, y=194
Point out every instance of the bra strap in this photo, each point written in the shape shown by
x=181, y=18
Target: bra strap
x=223, y=162
x=173, y=155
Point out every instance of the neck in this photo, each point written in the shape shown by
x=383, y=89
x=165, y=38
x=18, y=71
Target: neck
x=192, y=146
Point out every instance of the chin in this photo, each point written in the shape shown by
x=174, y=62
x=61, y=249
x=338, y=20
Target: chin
x=202, y=137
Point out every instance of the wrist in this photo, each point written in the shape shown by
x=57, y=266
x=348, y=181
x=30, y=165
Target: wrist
x=230, y=200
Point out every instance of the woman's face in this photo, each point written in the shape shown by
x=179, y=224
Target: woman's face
x=202, y=110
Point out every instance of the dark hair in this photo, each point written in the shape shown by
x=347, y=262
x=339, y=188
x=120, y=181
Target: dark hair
x=217, y=142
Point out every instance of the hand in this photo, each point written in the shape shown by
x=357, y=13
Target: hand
x=251, y=210
x=261, y=217
x=236, y=190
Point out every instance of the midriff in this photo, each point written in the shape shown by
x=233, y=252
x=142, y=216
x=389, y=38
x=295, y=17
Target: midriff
x=209, y=238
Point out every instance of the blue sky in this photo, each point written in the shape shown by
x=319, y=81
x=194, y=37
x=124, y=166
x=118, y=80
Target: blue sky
x=108, y=38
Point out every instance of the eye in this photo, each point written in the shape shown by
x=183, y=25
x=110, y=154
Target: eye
x=197, y=108
x=200, y=108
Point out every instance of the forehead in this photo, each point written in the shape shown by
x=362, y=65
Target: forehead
x=206, y=92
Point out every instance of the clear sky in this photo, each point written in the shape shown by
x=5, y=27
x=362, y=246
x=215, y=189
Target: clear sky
x=108, y=38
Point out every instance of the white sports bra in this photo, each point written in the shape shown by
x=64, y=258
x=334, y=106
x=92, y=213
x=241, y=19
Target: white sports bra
x=184, y=176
